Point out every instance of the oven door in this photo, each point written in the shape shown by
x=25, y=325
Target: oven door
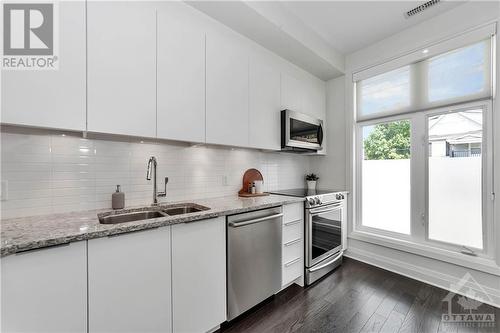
x=323, y=232
x=301, y=131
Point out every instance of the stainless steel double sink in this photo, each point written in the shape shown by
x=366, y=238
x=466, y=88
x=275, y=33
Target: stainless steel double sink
x=149, y=213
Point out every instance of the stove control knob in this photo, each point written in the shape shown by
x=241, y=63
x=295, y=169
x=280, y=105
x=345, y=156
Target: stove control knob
x=317, y=201
x=339, y=196
x=311, y=201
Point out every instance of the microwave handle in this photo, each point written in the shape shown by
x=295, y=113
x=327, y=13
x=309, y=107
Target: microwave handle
x=320, y=134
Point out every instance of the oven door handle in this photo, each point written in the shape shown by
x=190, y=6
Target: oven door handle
x=330, y=208
x=314, y=269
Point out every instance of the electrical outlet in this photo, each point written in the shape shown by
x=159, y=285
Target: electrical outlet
x=4, y=190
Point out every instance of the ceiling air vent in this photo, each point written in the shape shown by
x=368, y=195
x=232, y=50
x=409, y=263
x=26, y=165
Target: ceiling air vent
x=421, y=8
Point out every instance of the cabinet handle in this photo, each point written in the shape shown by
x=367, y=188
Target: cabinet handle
x=290, y=263
x=292, y=222
x=290, y=243
x=42, y=248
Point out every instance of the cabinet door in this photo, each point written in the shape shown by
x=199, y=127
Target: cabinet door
x=129, y=282
x=264, y=118
x=121, y=39
x=292, y=93
x=45, y=290
x=315, y=105
x=227, y=89
x=181, y=73
x=199, y=275
x=315, y=99
x=293, y=244
x=51, y=98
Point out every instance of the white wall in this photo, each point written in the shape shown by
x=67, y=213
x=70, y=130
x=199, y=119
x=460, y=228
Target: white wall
x=48, y=173
x=426, y=268
x=331, y=168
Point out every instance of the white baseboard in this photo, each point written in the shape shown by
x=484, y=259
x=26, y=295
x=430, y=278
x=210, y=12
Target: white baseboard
x=432, y=277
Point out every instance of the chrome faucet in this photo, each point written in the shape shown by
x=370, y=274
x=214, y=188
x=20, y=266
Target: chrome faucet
x=152, y=164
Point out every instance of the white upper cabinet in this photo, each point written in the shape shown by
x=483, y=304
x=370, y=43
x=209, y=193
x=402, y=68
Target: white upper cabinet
x=292, y=93
x=199, y=275
x=129, y=285
x=315, y=105
x=45, y=290
x=51, y=98
x=121, y=39
x=264, y=118
x=315, y=98
x=159, y=69
x=181, y=72
x=227, y=88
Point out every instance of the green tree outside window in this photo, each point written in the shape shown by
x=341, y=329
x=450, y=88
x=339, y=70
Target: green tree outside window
x=388, y=141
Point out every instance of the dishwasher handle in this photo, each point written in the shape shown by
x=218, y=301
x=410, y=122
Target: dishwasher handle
x=261, y=219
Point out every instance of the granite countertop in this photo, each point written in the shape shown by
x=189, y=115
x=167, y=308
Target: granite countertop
x=29, y=233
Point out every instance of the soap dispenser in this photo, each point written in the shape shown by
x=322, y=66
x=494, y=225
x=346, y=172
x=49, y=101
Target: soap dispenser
x=118, y=199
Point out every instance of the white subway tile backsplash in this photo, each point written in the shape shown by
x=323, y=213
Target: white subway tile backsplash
x=51, y=173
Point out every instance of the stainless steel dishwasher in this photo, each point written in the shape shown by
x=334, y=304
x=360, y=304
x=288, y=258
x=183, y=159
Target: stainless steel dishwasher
x=253, y=258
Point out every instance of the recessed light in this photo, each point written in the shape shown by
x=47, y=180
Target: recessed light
x=142, y=141
x=425, y=51
x=63, y=134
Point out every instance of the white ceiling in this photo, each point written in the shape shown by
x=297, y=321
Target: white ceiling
x=352, y=25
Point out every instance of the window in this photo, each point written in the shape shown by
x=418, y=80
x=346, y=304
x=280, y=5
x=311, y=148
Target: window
x=454, y=181
x=385, y=92
x=458, y=73
x=423, y=170
x=386, y=176
x=456, y=76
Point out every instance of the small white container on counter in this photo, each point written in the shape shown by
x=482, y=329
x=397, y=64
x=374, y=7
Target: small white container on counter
x=259, y=184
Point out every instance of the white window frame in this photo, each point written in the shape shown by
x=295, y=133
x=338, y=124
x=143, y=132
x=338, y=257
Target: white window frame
x=483, y=264
x=418, y=241
x=486, y=175
x=359, y=175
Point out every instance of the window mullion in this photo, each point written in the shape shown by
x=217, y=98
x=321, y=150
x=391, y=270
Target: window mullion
x=418, y=177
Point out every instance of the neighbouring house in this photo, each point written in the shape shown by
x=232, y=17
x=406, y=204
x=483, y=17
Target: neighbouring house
x=456, y=135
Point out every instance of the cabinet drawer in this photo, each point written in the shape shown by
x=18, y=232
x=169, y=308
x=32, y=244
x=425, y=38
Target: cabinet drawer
x=293, y=212
x=292, y=270
x=292, y=230
x=292, y=250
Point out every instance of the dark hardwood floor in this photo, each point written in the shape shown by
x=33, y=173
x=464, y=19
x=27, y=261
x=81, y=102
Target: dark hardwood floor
x=357, y=298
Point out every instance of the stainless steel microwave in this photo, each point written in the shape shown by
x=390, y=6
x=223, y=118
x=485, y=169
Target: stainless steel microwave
x=300, y=132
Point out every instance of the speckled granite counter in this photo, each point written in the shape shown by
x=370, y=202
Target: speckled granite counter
x=28, y=233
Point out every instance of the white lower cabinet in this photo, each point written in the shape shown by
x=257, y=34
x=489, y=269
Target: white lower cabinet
x=45, y=290
x=199, y=275
x=129, y=282
x=160, y=280
x=293, y=244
